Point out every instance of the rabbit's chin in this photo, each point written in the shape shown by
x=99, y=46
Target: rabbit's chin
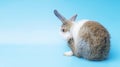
x=66, y=35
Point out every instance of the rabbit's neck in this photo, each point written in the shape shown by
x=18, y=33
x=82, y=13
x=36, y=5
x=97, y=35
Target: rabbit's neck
x=75, y=29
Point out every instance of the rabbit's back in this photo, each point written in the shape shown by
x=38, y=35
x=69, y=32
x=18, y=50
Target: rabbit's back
x=94, y=41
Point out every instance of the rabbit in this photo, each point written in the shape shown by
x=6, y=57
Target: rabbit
x=87, y=38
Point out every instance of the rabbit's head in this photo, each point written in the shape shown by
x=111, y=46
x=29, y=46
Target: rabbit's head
x=66, y=24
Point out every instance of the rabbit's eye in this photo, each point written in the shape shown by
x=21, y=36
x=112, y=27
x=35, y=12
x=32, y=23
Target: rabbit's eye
x=63, y=30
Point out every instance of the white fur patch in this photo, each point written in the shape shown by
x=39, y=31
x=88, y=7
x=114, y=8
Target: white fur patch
x=66, y=35
x=76, y=28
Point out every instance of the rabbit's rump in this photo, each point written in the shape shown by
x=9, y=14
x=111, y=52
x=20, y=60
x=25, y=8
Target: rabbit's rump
x=94, y=42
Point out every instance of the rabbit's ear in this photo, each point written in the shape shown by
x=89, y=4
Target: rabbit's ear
x=73, y=18
x=62, y=18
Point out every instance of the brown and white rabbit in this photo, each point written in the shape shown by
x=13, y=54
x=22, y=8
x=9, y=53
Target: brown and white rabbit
x=86, y=38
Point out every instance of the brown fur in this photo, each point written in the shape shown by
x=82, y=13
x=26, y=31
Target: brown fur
x=71, y=44
x=98, y=38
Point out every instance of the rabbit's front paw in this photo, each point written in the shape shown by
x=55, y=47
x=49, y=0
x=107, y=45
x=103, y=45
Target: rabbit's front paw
x=69, y=53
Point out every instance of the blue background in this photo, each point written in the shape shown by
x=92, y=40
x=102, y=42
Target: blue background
x=29, y=32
